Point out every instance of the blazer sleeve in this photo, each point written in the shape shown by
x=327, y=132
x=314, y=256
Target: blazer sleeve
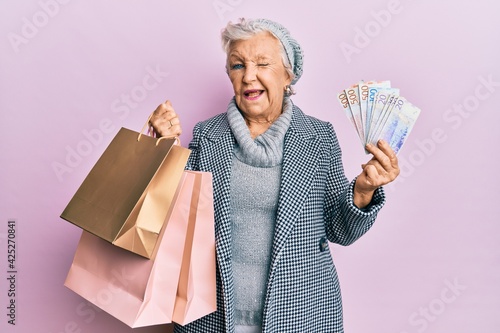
x=345, y=222
x=194, y=146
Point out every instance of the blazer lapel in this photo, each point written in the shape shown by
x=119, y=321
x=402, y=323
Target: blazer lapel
x=216, y=157
x=300, y=161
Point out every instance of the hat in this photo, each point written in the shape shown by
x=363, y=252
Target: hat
x=292, y=47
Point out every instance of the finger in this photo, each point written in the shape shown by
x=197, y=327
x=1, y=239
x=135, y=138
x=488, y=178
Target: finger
x=175, y=130
x=380, y=153
x=163, y=109
x=388, y=151
x=174, y=121
x=164, y=120
x=372, y=175
x=169, y=109
x=379, y=176
x=375, y=165
x=394, y=163
x=167, y=117
x=169, y=131
x=170, y=117
x=376, y=177
x=160, y=110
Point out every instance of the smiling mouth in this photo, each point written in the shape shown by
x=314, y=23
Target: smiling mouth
x=253, y=94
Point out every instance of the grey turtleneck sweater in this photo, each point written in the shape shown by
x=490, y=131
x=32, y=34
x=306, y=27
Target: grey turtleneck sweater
x=255, y=185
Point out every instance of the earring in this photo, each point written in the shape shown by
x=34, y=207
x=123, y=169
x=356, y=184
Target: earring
x=288, y=91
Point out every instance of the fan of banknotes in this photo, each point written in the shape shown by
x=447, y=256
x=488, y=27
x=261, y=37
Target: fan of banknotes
x=377, y=111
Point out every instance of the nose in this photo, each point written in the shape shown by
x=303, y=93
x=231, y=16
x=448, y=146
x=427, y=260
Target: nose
x=250, y=74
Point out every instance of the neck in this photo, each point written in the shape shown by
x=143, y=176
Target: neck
x=257, y=129
x=250, y=121
x=259, y=126
x=261, y=123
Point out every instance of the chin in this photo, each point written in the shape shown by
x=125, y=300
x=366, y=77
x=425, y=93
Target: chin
x=253, y=109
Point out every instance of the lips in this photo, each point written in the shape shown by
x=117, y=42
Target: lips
x=253, y=94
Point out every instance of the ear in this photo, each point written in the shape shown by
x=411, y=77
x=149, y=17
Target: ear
x=288, y=79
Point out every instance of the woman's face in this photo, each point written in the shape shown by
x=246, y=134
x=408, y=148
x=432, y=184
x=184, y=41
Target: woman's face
x=256, y=70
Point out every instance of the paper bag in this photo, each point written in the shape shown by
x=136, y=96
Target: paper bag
x=126, y=196
x=142, y=292
x=196, y=292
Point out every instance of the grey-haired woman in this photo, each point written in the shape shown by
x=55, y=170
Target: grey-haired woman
x=280, y=192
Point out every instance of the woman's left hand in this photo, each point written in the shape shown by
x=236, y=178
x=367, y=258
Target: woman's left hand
x=382, y=169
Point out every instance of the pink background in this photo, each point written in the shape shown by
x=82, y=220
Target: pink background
x=431, y=263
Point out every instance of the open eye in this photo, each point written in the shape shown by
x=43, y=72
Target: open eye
x=237, y=66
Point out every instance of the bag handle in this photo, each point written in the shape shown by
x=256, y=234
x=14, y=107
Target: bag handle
x=151, y=132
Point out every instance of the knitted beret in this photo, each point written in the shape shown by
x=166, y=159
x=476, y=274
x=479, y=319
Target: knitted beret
x=292, y=47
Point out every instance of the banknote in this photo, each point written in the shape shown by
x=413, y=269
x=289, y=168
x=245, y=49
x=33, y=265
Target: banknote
x=373, y=88
x=378, y=111
x=382, y=107
x=363, y=103
x=399, y=124
x=344, y=103
x=352, y=95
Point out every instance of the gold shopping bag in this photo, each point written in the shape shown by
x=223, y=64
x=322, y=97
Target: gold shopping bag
x=127, y=194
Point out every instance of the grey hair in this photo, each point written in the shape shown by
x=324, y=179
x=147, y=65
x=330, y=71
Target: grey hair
x=246, y=29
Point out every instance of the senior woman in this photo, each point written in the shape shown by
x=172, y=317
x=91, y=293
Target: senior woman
x=280, y=192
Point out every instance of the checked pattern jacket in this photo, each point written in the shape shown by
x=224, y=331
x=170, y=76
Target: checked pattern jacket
x=315, y=204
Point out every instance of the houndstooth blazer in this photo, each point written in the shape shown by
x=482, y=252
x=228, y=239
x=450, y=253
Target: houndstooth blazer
x=315, y=204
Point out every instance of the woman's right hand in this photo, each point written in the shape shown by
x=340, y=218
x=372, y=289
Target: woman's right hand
x=165, y=121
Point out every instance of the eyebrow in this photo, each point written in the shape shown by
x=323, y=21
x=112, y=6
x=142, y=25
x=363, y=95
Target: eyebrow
x=258, y=58
x=263, y=57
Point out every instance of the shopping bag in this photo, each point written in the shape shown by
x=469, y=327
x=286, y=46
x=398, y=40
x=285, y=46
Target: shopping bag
x=196, y=293
x=142, y=292
x=125, y=197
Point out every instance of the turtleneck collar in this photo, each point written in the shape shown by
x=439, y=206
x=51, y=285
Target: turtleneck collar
x=266, y=150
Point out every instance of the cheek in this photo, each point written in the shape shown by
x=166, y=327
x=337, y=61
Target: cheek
x=234, y=81
x=275, y=86
x=276, y=78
